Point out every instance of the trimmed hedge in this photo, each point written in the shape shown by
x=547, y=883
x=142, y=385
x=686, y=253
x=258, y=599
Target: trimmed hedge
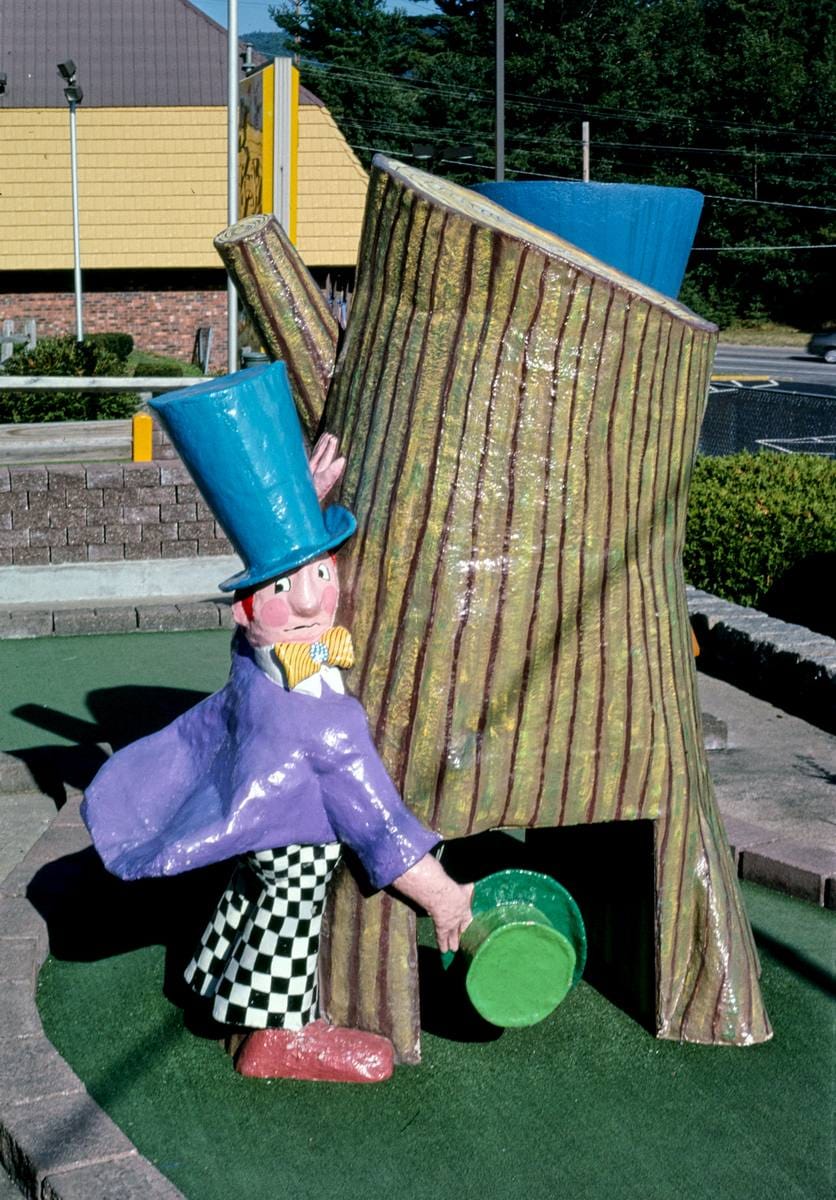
x=65, y=356
x=762, y=532
x=120, y=344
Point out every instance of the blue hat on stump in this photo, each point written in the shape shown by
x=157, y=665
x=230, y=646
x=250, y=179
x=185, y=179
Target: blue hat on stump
x=240, y=438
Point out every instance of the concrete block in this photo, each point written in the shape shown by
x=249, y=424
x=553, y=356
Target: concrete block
x=5, y=556
x=17, y=1003
x=212, y=548
x=109, y=553
x=744, y=835
x=49, y=536
x=125, y=1179
x=142, y=474
x=57, y=1134
x=68, y=554
x=103, y=475
x=5, y=484
x=788, y=867
x=31, y=556
x=19, y=963
x=158, y=618
x=5, y=520
x=31, y=1069
x=143, y=549
x=186, y=493
x=167, y=531
x=29, y=622
x=12, y=538
x=225, y=612
x=109, y=619
x=28, y=479
x=140, y=514
x=172, y=472
x=60, y=475
x=196, y=529
x=200, y=614
x=179, y=549
x=122, y=534
x=178, y=512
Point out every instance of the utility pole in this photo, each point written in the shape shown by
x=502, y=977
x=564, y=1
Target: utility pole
x=232, y=172
x=585, y=150
x=500, y=91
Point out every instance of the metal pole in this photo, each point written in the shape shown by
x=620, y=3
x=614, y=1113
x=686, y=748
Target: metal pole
x=79, y=329
x=500, y=90
x=585, y=144
x=232, y=171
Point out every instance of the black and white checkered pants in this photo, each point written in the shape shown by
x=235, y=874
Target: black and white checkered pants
x=258, y=955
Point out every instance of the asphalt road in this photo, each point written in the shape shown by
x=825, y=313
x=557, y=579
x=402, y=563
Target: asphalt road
x=784, y=363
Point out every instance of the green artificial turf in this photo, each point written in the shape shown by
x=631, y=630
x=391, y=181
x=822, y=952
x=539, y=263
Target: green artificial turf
x=81, y=683
x=585, y=1105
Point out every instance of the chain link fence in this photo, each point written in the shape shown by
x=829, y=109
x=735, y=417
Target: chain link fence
x=740, y=418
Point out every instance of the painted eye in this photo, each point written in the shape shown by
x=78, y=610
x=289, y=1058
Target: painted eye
x=323, y=572
x=283, y=584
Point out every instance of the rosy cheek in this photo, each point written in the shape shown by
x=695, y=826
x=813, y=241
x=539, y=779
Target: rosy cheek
x=275, y=611
x=330, y=595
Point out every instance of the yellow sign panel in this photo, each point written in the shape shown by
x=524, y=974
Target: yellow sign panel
x=268, y=136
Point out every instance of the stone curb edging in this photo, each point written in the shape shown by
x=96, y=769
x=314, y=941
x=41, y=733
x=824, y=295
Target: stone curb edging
x=55, y=1141
x=158, y=616
x=792, y=667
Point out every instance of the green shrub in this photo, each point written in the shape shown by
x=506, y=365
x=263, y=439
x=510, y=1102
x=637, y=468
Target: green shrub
x=161, y=368
x=120, y=344
x=64, y=356
x=762, y=532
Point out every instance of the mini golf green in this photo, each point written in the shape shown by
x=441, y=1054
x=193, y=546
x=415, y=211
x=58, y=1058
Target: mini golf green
x=584, y=1105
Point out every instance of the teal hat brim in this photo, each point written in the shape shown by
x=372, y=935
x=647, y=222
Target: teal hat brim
x=339, y=526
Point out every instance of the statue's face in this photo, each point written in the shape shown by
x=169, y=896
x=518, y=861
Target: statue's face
x=298, y=607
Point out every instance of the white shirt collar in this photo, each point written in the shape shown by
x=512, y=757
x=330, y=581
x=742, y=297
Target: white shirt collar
x=312, y=686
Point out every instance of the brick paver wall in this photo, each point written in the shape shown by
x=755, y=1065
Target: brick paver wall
x=164, y=322
x=103, y=513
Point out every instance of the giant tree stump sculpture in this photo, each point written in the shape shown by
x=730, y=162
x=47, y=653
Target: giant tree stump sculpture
x=520, y=422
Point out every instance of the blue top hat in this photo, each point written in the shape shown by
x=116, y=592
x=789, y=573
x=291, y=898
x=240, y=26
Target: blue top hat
x=240, y=438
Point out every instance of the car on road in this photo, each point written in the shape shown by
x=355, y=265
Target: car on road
x=823, y=345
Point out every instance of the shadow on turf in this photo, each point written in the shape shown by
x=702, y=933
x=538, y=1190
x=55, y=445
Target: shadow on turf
x=119, y=715
x=799, y=964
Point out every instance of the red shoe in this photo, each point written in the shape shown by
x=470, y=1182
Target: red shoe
x=318, y=1051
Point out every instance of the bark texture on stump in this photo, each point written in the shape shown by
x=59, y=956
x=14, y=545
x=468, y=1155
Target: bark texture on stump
x=520, y=423
x=286, y=306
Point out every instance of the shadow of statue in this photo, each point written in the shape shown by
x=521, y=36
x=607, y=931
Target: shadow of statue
x=119, y=715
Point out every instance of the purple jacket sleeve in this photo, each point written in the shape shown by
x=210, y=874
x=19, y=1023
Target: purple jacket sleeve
x=365, y=810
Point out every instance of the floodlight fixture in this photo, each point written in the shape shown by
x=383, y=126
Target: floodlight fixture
x=3, y=81
x=67, y=70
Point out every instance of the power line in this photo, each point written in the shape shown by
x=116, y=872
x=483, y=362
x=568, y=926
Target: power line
x=571, y=107
x=750, y=249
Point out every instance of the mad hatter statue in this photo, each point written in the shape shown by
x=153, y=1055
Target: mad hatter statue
x=277, y=770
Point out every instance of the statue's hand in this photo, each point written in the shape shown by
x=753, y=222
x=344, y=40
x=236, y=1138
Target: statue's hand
x=326, y=465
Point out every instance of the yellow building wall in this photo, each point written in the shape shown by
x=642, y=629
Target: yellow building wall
x=331, y=189
x=152, y=188
x=151, y=181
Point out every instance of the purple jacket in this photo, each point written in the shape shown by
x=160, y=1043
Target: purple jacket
x=253, y=767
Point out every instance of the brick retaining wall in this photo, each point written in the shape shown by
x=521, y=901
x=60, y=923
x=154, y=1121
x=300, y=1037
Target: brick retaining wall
x=164, y=322
x=103, y=513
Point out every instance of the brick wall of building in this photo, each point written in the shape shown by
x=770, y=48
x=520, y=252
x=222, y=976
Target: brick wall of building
x=103, y=513
x=164, y=322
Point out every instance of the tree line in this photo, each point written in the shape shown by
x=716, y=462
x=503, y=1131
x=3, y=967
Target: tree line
x=735, y=98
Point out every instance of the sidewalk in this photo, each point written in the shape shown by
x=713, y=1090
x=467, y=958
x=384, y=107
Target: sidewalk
x=774, y=775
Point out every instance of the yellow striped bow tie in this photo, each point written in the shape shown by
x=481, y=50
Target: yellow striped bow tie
x=300, y=660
